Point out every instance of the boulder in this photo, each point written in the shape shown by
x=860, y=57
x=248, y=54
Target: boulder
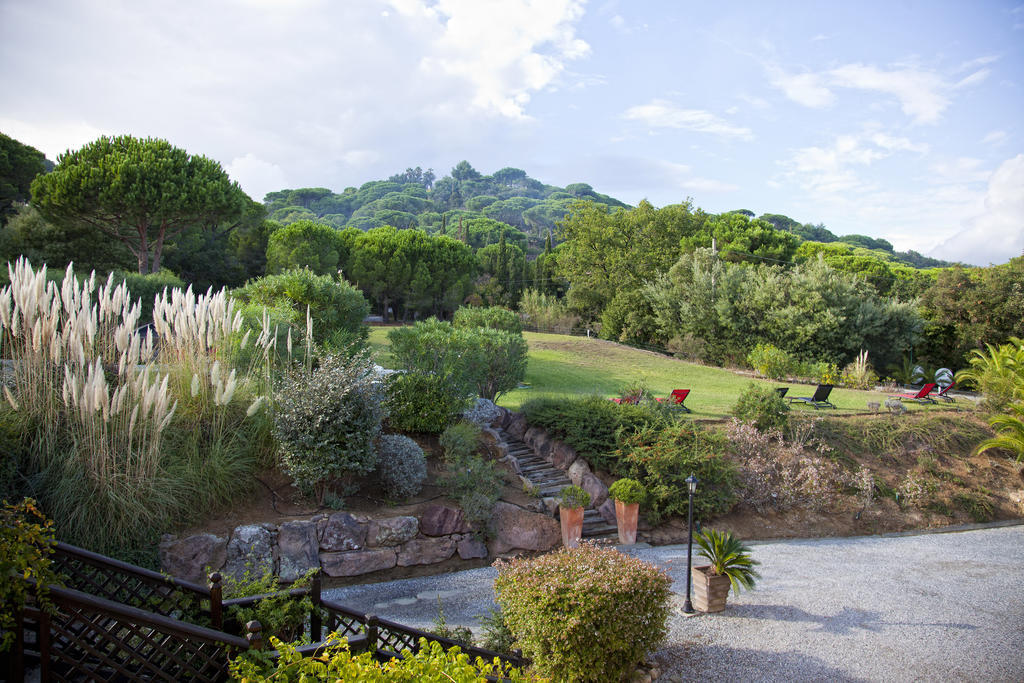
x=504, y=415
x=298, y=548
x=358, y=562
x=514, y=527
x=596, y=488
x=441, y=520
x=531, y=435
x=188, y=558
x=489, y=437
x=341, y=531
x=562, y=455
x=517, y=425
x=426, y=551
x=607, y=510
x=542, y=445
x=578, y=470
x=251, y=549
x=471, y=548
x=483, y=412
x=392, y=531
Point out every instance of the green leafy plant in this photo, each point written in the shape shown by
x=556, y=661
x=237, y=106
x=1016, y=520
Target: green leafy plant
x=586, y=613
x=497, y=636
x=859, y=374
x=327, y=421
x=494, y=317
x=728, y=557
x=475, y=483
x=430, y=663
x=627, y=490
x=26, y=543
x=770, y=361
x=426, y=403
x=662, y=459
x=978, y=505
x=280, y=614
x=401, y=466
x=572, y=497
x=1010, y=429
x=761, y=405
x=460, y=440
x=998, y=372
x=460, y=633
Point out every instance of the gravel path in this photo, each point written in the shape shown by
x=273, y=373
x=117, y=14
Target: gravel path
x=932, y=607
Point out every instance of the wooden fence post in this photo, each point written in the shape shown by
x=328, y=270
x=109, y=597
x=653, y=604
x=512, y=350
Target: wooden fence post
x=372, y=625
x=254, y=634
x=216, y=602
x=315, y=625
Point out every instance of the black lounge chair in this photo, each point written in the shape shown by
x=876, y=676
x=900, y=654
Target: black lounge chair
x=781, y=391
x=820, y=398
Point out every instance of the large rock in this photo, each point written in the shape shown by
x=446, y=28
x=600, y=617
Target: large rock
x=596, y=488
x=426, y=551
x=251, y=549
x=607, y=510
x=391, y=531
x=471, y=548
x=188, y=558
x=441, y=520
x=341, y=531
x=517, y=425
x=298, y=549
x=562, y=455
x=514, y=527
x=358, y=562
x=577, y=471
x=531, y=436
x=542, y=445
x=483, y=412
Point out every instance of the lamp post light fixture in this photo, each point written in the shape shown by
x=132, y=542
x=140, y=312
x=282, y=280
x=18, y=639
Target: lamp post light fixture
x=691, y=484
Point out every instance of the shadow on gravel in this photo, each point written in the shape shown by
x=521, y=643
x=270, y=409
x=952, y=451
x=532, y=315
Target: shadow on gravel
x=845, y=621
x=717, y=662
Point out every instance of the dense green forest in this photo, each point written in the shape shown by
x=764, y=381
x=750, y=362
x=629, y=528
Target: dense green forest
x=705, y=286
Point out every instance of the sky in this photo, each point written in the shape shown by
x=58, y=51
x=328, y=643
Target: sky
x=899, y=119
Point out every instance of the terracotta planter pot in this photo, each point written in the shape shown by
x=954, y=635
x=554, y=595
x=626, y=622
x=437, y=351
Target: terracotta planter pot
x=572, y=525
x=709, y=590
x=626, y=518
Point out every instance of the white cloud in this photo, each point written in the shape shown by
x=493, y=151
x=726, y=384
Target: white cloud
x=898, y=144
x=975, y=78
x=975, y=63
x=256, y=176
x=52, y=138
x=829, y=170
x=996, y=137
x=805, y=88
x=921, y=93
x=663, y=114
x=504, y=50
x=997, y=234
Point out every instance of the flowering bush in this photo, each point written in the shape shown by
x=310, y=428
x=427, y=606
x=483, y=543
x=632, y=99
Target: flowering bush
x=401, y=466
x=585, y=613
x=327, y=421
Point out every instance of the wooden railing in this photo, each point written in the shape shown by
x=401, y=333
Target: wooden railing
x=115, y=621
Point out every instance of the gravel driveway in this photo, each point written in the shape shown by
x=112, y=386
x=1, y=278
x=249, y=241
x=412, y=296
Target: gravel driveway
x=930, y=607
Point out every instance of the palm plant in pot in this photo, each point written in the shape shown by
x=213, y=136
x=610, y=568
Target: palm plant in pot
x=627, y=494
x=570, y=514
x=731, y=565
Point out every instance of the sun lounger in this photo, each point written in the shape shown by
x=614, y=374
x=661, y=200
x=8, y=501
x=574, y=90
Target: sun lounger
x=819, y=400
x=921, y=396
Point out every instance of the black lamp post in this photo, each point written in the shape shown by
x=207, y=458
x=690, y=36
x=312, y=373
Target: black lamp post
x=691, y=484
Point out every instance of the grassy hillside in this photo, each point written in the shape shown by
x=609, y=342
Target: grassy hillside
x=561, y=365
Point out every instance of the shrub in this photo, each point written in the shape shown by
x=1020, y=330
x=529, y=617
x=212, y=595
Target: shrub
x=460, y=440
x=977, y=505
x=627, y=490
x=335, y=662
x=418, y=402
x=820, y=372
x=281, y=615
x=493, y=317
x=497, y=636
x=401, y=466
x=761, y=405
x=327, y=421
x=662, y=459
x=593, y=426
x=770, y=361
x=572, y=497
x=547, y=312
x=26, y=543
x=475, y=483
x=481, y=360
x=586, y=613
x=337, y=309
x=859, y=374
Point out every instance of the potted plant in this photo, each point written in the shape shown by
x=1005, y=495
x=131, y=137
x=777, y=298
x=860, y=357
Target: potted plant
x=731, y=565
x=627, y=494
x=570, y=514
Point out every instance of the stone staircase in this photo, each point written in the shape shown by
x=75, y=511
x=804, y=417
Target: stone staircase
x=547, y=481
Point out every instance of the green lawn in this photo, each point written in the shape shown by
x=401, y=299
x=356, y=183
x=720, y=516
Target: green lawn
x=561, y=365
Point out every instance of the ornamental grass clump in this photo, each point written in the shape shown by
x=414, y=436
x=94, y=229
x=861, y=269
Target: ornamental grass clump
x=586, y=613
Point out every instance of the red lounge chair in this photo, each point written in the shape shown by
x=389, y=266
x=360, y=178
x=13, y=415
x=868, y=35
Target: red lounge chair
x=626, y=400
x=677, y=396
x=944, y=395
x=921, y=396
